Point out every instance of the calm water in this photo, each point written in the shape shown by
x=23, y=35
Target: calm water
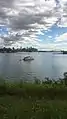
x=44, y=65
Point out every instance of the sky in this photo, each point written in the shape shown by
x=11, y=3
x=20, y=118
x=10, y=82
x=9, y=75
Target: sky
x=38, y=23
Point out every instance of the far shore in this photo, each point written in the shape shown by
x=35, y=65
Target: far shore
x=28, y=49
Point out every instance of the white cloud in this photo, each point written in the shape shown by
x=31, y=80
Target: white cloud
x=27, y=18
x=61, y=38
x=63, y=16
x=49, y=36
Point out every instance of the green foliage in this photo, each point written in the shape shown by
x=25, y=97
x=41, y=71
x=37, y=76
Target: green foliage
x=65, y=78
x=12, y=107
x=37, y=81
x=38, y=100
x=46, y=89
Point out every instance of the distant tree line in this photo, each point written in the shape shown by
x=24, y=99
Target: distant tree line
x=64, y=52
x=12, y=50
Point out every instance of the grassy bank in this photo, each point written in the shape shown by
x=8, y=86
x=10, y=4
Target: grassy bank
x=37, y=90
x=38, y=100
x=18, y=108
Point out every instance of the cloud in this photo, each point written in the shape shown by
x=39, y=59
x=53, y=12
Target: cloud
x=63, y=17
x=49, y=36
x=25, y=19
x=61, y=38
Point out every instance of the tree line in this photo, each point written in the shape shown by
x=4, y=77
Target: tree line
x=12, y=50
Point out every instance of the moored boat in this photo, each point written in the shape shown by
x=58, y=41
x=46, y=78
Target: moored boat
x=28, y=58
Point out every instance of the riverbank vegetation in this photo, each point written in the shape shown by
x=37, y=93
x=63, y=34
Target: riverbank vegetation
x=45, y=99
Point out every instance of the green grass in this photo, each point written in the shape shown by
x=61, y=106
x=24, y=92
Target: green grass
x=33, y=90
x=38, y=100
x=18, y=108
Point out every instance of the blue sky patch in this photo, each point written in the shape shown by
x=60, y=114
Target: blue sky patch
x=3, y=30
x=51, y=34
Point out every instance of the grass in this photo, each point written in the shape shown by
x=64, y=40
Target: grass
x=36, y=90
x=18, y=108
x=38, y=100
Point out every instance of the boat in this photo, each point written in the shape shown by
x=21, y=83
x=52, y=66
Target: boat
x=28, y=58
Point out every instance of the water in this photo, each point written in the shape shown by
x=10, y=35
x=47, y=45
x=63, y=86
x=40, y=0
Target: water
x=45, y=65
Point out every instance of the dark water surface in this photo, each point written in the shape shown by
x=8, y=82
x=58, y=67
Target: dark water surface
x=45, y=65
